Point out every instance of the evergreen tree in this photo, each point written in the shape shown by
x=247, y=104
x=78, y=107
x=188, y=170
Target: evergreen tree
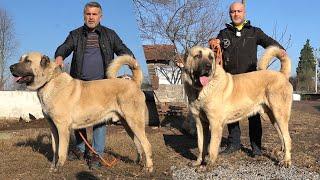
x=306, y=69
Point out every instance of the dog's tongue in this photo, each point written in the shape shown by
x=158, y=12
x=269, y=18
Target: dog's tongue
x=204, y=80
x=17, y=78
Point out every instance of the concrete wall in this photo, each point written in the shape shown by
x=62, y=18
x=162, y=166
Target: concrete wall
x=170, y=93
x=19, y=104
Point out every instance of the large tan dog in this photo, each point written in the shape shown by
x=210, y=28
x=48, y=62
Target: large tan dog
x=72, y=104
x=217, y=98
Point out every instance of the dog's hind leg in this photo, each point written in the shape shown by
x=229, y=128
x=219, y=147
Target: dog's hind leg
x=135, y=140
x=282, y=116
x=135, y=119
x=280, y=104
x=276, y=126
x=283, y=123
x=139, y=131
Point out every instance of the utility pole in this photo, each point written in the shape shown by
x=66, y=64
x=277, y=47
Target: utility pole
x=316, y=79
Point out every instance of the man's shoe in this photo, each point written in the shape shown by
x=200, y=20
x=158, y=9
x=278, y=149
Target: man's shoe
x=94, y=161
x=256, y=152
x=230, y=149
x=76, y=154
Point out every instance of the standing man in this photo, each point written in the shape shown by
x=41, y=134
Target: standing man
x=239, y=42
x=93, y=47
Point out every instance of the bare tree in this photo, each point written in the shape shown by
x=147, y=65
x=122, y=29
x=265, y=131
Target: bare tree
x=8, y=44
x=181, y=23
x=171, y=72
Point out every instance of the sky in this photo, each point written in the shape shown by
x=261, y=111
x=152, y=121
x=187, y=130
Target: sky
x=44, y=25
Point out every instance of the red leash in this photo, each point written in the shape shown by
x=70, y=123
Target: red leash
x=104, y=162
x=217, y=51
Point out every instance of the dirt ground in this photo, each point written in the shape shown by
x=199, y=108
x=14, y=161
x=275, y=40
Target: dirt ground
x=25, y=148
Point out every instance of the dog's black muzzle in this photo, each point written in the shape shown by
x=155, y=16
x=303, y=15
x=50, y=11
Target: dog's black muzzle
x=21, y=76
x=205, y=68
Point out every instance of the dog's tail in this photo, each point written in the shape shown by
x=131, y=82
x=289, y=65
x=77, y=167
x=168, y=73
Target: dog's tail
x=269, y=54
x=115, y=66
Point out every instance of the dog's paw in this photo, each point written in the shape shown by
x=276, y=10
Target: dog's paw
x=194, y=163
x=285, y=163
x=278, y=153
x=138, y=160
x=149, y=169
x=211, y=163
x=52, y=167
x=201, y=169
x=54, y=170
x=57, y=168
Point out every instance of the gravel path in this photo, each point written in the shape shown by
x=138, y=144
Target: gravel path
x=245, y=170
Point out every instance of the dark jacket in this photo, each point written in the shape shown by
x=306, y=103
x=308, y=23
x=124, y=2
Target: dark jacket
x=110, y=44
x=240, y=52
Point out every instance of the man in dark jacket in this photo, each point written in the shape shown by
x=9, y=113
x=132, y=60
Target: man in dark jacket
x=239, y=41
x=93, y=47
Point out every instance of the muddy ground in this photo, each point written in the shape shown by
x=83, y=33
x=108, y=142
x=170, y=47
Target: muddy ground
x=25, y=148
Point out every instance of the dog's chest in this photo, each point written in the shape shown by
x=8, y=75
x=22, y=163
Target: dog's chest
x=43, y=98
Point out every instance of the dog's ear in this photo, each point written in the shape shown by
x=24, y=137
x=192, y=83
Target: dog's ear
x=185, y=55
x=23, y=57
x=45, y=61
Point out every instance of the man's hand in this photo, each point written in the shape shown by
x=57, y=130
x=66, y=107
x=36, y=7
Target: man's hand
x=59, y=61
x=214, y=42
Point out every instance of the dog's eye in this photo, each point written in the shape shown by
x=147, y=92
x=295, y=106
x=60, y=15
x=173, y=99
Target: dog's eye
x=27, y=61
x=198, y=55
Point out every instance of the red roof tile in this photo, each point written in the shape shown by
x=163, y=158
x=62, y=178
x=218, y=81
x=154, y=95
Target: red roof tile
x=159, y=52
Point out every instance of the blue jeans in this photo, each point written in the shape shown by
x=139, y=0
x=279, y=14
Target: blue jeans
x=98, y=138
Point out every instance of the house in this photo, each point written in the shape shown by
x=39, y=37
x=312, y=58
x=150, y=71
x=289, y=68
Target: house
x=165, y=77
x=161, y=62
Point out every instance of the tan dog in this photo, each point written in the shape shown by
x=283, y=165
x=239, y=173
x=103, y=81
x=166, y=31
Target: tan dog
x=217, y=98
x=72, y=104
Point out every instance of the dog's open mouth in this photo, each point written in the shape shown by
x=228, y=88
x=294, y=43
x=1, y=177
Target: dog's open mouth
x=204, y=80
x=27, y=79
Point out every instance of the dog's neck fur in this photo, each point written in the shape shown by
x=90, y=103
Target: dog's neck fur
x=53, y=74
x=52, y=80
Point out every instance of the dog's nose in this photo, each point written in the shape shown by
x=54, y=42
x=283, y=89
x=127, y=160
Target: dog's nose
x=12, y=67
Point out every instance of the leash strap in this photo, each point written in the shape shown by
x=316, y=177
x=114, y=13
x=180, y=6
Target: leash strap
x=217, y=51
x=104, y=162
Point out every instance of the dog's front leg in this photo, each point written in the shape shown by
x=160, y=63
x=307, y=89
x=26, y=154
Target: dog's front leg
x=196, y=115
x=64, y=136
x=216, y=128
x=54, y=143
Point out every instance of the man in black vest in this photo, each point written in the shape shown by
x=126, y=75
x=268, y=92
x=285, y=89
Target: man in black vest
x=93, y=47
x=239, y=42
